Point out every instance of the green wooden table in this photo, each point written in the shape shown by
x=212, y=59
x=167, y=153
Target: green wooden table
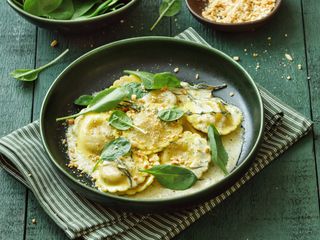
x=282, y=202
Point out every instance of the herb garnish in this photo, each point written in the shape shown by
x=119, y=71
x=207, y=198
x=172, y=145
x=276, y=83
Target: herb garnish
x=120, y=120
x=153, y=81
x=173, y=177
x=69, y=9
x=219, y=156
x=102, y=102
x=168, y=8
x=170, y=115
x=113, y=150
x=29, y=75
x=83, y=100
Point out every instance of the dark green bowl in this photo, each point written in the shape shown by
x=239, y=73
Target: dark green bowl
x=75, y=26
x=100, y=67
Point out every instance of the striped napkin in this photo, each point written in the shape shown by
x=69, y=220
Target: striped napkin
x=23, y=156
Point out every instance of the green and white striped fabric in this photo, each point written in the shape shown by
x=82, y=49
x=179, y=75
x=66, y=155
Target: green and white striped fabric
x=23, y=156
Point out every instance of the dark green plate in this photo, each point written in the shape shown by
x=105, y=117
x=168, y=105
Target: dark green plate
x=75, y=26
x=99, y=68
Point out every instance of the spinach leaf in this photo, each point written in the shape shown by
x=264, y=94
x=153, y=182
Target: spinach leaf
x=63, y=12
x=84, y=100
x=121, y=121
x=101, y=9
x=29, y=75
x=82, y=7
x=165, y=79
x=219, y=156
x=103, y=101
x=113, y=150
x=168, y=8
x=170, y=115
x=146, y=78
x=173, y=177
x=135, y=89
x=41, y=7
x=152, y=81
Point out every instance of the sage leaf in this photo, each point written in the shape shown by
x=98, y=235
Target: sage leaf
x=135, y=89
x=29, y=75
x=83, y=100
x=168, y=8
x=219, y=156
x=173, y=177
x=120, y=120
x=152, y=81
x=102, y=102
x=169, y=115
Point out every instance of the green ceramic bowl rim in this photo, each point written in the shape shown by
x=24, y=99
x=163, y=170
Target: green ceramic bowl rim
x=225, y=180
x=105, y=15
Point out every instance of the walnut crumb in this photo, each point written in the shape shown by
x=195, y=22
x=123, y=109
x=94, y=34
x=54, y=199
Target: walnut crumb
x=54, y=43
x=236, y=58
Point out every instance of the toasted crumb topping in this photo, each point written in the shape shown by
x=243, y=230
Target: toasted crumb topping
x=238, y=11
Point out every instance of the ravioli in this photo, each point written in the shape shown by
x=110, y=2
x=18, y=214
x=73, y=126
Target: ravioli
x=93, y=131
x=202, y=112
x=150, y=141
x=125, y=80
x=158, y=135
x=123, y=175
x=190, y=151
x=159, y=99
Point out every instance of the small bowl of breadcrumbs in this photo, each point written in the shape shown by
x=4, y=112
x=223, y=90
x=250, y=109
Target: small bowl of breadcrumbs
x=234, y=15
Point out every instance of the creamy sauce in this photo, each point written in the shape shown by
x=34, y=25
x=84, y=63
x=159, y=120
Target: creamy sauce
x=233, y=145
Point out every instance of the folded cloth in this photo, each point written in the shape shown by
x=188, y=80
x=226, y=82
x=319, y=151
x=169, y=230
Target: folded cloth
x=23, y=156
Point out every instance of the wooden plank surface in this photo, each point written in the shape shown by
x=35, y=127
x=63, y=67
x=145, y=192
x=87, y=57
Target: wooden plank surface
x=311, y=9
x=280, y=203
x=17, y=49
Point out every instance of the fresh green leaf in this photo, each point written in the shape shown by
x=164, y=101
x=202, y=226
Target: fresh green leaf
x=82, y=7
x=146, y=78
x=84, y=100
x=135, y=89
x=152, y=81
x=102, y=102
x=170, y=115
x=64, y=12
x=173, y=177
x=165, y=79
x=219, y=156
x=172, y=10
x=121, y=121
x=168, y=8
x=115, y=149
x=41, y=7
x=29, y=75
x=104, y=7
